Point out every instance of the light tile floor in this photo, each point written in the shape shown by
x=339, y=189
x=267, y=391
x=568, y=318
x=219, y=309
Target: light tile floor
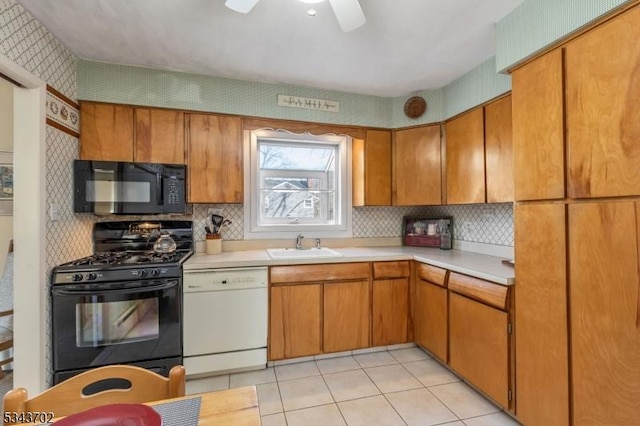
x=394, y=387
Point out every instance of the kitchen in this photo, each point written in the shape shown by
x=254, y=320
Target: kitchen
x=69, y=251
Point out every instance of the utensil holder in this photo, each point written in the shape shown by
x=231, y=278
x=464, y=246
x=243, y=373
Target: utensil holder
x=213, y=244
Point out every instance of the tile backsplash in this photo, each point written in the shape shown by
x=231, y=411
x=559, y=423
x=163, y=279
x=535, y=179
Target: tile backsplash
x=481, y=223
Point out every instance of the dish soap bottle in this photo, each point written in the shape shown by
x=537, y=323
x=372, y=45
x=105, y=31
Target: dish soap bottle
x=445, y=236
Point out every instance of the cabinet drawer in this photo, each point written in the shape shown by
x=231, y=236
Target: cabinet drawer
x=432, y=274
x=495, y=295
x=318, y=273
x=391, y=269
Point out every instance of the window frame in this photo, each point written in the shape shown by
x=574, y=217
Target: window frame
x=255, y=230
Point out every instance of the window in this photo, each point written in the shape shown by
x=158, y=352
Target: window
x=297, y=183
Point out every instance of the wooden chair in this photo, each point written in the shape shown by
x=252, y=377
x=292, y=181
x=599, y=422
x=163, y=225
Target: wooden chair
x=125, y=385
x=6, y=309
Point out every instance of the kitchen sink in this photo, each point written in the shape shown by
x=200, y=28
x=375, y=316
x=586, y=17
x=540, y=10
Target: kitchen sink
x=293, y=253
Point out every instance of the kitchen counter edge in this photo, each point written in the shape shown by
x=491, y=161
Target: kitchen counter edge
x=477, y=265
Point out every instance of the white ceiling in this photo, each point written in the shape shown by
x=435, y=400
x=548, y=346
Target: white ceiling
x=405, y=46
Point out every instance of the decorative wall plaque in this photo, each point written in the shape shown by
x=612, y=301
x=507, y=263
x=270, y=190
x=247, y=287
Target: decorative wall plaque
x=308, y=103
x=415, y=107
x=62, y=112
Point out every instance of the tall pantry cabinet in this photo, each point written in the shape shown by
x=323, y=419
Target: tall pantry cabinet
x=577, y=185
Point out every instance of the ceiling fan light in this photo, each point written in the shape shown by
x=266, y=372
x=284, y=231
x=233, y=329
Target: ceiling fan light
x=241, y=6
x=349, y=14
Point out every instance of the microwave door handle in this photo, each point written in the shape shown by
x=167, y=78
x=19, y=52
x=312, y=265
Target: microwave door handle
x=159, y=189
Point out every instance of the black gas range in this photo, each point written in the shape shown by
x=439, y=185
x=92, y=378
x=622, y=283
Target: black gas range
x=123, y=304
x=124, y=251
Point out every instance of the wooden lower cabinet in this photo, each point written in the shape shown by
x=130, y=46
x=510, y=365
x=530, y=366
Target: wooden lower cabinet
x=390, y=311
x=479, y=346
x=430, y=318
x=604, y=291
x=295, y=321
x=346, y=319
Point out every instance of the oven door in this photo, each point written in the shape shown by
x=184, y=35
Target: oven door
x=93, y=325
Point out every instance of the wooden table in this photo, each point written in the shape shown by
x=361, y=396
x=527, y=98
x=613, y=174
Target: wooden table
x=238, y=406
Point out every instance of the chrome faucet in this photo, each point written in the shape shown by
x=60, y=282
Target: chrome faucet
x=299, y=242
x=317, y=243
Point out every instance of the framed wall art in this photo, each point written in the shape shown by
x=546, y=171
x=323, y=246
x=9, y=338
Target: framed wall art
x=6, y=183
x=425, y=231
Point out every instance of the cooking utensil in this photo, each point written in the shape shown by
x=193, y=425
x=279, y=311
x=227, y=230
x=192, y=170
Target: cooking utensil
x=216, y=221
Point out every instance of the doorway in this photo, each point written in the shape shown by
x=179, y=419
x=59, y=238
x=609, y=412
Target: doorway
x=29, y=166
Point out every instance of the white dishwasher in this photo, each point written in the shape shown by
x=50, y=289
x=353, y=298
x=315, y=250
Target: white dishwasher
x=225, y=320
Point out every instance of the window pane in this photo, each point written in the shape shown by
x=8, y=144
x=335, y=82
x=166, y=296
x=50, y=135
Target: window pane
x=289, y=157
x=297, y=182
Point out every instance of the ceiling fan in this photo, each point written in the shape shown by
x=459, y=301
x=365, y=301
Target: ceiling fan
x=348, y=12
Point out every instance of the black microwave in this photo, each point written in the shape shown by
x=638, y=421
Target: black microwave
x=107, y=187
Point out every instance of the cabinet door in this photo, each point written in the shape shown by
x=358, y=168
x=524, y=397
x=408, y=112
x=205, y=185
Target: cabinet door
x=106, y=132
x=346, y=320
x=294, y=326
x=417, y=167
x=465, y=158
x=372, y=169
x=499, y=150
x=478, y=346
x=605, y=313
x=159, y=136
x=603, y=88
x=542, y=354
x=390, y=311
x=215, y=159
x=538, y=128
x=431, y=318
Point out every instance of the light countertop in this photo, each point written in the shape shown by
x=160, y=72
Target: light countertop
x=477, y=265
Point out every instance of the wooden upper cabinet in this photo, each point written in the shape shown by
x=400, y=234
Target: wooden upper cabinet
x=417, y=166
x=604, y=313
x=603, y=125
x=159, y=136
x=215, y=163
x=465, y=158
x=538, y=128
x=542, y=349
x=106, y=132
x=371, y=159
x=499, y=150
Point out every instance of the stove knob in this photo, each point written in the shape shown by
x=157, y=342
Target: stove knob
x=154, y=272
x=92, y=276
x=143, y=273
x=77, y=277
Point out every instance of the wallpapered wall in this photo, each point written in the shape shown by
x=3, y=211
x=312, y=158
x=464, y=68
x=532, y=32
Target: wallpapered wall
x=535, y=24
x=25, y=42
x=105, y=82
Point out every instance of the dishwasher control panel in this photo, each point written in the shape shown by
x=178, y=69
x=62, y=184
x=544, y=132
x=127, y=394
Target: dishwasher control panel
x=225, y=279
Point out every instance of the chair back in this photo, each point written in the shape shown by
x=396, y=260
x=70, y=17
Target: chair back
x=125, y=385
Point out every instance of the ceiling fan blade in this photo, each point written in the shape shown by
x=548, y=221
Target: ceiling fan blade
x=242, y=6
x=349, y=14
